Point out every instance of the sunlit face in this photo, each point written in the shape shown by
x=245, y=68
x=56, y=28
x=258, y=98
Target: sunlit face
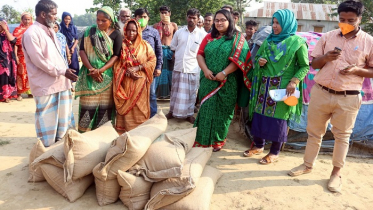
x=67, y=20
x=276, y=26
x=51, y=17
x=192, y=20
x=26, y=20
x=131, y=31
x=221, y=23
x=55, y=28
x=124, y=16
x=208, y=22
x=250, y=30
x=350, y=18
x=103, y=23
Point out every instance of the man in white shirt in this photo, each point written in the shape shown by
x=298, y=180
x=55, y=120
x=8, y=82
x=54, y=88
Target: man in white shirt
x=185, y=77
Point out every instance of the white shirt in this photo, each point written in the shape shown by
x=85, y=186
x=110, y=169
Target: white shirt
x=186, y=45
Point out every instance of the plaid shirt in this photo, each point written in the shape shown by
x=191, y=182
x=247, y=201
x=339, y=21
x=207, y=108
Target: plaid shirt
x=152, y=37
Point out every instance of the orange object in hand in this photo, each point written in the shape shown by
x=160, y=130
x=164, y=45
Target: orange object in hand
x=291, y=101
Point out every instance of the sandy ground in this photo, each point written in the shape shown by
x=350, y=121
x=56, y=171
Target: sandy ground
x=245, y=183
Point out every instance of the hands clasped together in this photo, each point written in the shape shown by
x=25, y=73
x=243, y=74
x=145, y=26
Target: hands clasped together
x=132, y=72
x=218, y=77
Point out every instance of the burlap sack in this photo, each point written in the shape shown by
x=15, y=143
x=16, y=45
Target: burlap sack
x=200, y=197
x=71, y=191
x=169, y=152
x=53, y=155
x=35, y=175
x=107, y=191
x=135, y=191
x=130, y=147
x=173, y=189
x=84, y=151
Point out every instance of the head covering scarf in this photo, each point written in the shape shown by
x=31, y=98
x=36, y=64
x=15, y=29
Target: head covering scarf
x=288, y=23
x=18, y=32
x=70, y=32
x=109, y=11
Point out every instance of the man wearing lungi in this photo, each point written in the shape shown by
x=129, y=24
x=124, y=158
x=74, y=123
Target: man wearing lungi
x=49, y=76
x=185, y=77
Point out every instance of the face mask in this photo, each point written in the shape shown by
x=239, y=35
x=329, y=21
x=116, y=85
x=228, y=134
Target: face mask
x=346, y=28
x=143, y=22
x=165, y=18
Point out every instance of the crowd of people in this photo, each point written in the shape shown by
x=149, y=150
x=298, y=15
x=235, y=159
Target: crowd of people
x=127, y=64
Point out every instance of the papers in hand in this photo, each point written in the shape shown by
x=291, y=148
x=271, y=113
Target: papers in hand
x=280, y=94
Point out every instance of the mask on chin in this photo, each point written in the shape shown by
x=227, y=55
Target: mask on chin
x=346, y=28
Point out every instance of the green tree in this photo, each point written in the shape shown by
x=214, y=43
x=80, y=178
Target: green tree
x=114, y=4
x=85, y=20
x=10, y=14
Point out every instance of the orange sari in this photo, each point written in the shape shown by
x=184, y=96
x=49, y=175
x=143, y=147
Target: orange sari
x=131, y=96
x=22, y=78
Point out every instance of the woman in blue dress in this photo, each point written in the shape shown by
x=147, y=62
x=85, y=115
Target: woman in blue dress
x=71, y=33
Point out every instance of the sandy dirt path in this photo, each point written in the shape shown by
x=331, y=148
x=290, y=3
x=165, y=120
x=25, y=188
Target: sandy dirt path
x=245, y=184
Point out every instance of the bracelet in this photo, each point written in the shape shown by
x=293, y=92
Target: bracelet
x=295, y=80
x=225, y=74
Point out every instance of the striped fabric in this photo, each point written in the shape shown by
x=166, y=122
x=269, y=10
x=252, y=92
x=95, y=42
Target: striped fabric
x=53, y=116
x=183, y=94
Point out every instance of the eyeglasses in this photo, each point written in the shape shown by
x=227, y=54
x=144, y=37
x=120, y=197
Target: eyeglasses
x=220, y=21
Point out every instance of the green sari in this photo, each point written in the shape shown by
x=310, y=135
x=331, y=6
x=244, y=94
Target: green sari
x=216, y=112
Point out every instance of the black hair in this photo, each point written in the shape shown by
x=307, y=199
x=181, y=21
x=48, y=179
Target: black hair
x=45, y=6
x=251, y=23
x=235, y=13
x=141, y=11
x=165, y=8
x=193, y=12
x=231, y=26
x=113, y=25
x=228, y=7
x=208, y=14
x=351, y=6
x=58, y=25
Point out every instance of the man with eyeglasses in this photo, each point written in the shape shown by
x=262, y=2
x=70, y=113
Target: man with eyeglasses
x=124, y=16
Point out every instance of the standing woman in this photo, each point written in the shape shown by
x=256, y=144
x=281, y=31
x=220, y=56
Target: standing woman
x=62, y=39
x=133, y=75
x=99, y=49
x=224, y=58
x=280, y=63
x=22, y=78
x=8, y=66
x=71, y=33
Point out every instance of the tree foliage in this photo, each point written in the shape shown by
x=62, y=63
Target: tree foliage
x=85, y=20
x=10, y=14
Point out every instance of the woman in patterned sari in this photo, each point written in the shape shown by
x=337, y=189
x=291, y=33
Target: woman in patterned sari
x=224, y=58
x=99, y=49
x=133, y=75
x=22, y=78
x=8, y=66
x=280, y=63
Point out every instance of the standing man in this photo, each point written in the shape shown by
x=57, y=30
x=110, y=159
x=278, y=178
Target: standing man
x=151, y=35
x=124, y=16
x=166, y=30
x=185, y=77
x=49, y=76
x=236, y=16
x=251, y=28
x=207, y=25
x=344, y=57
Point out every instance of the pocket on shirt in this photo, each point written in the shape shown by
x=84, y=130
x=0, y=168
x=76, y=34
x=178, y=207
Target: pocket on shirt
x=195, y=46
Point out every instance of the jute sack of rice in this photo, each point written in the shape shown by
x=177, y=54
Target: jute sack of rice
x=35, y=175
x=173, y=189
x=71, y=191
x=165, y=156
x=53, y=155
x=200, y=198
x=84, y=151
x=107, y=191
x=135, y=191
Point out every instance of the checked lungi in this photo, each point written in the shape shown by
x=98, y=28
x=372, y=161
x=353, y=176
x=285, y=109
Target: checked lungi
x=183, y=94
x=53, y=116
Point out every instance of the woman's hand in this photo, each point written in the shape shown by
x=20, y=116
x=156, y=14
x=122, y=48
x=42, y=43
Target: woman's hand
x=209, y=75
x=96, y=75
x=220, y=77
x=17, y=60
x=290, y=89
x=262, y=61
x=69, y=60
x=72, y=50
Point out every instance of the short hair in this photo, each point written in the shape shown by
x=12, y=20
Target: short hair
x=45, y=6
x=228, y=7
x=235, y=13
x=351, y=6
x=125, y=10
x=208, y=14
x=251, y=23
x=141, y=11
x=193, y=12
x=165, y=8
x=231, y=27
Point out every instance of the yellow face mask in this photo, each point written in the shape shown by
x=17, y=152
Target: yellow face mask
x=165, y=18
x=346, y=28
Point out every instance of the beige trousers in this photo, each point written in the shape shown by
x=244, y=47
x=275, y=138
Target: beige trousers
x=341, y=111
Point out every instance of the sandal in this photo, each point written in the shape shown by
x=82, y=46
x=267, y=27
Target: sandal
x=250, y=152
x=268, y=159
x=30, y=96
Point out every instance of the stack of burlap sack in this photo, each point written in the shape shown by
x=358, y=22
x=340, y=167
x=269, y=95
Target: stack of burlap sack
x=145, y=168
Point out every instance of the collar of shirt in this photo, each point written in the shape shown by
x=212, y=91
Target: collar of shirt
x=357, y=34
x=194, y=30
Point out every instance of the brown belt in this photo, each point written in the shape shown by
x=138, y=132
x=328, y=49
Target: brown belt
x=346, y=92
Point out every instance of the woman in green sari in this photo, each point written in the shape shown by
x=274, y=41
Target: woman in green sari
x=280, y=63
x=99, y=49
x=224, y=58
